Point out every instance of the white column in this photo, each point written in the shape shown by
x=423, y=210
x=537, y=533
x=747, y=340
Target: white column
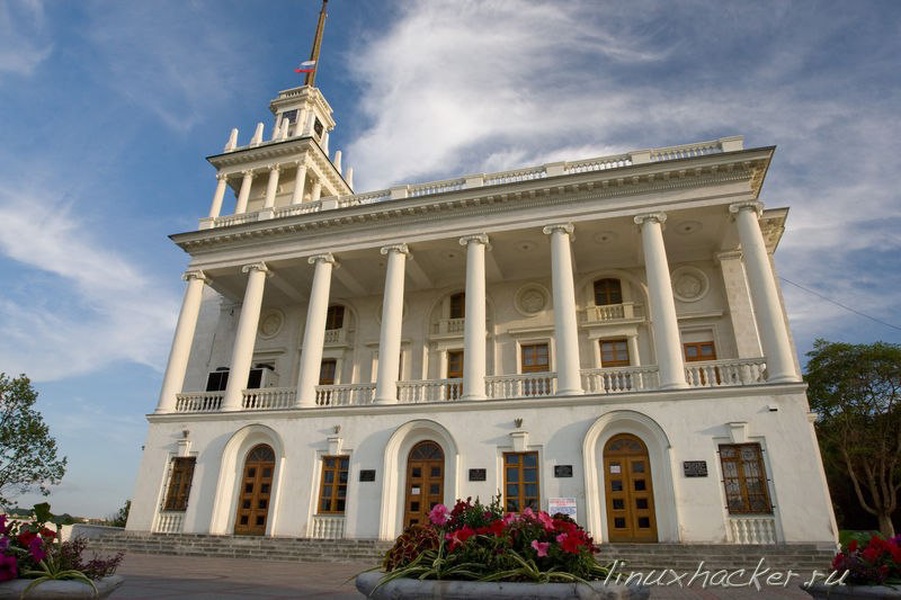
x=314, y=331
x=299, y=183
x=317, y=191
x=634, y=354
x=221, y=184
x=174, y=379
x=569, y=379
x=244, y=193
x=271, y=186
x=474, y=328
x=780, y=364
x=242, y=351
x=667, y=343
x=392, y=324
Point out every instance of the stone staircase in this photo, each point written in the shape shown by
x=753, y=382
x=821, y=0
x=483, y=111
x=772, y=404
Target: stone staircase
x=681, y=558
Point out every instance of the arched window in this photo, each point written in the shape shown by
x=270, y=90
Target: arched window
x=458, y=305
x=607, y=291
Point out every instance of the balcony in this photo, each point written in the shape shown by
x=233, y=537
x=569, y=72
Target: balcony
x=615, y=380
x=613, y=312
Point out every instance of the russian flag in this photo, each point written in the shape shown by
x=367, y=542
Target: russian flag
x=307, y=66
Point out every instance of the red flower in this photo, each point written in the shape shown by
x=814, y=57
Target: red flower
x=852, y=546
x=570, y=543
x=25, y=537
x=458, y=538
x=47, y=534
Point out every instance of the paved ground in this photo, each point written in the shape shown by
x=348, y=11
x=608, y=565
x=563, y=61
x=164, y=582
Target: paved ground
x=161, y=577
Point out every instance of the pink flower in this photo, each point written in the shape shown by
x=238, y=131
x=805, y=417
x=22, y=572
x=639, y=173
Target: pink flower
x=36, y=548
x=541, y=547
x=439, y=515
x=8, y=567
x=546, y=520
x=527, y=513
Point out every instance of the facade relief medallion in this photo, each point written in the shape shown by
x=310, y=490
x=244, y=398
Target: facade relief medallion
x=531, y=299
x=271, y=323
x=690, y=284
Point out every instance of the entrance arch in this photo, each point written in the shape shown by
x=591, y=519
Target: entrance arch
x=629, y=490
x=424, y=486
x=255, y=491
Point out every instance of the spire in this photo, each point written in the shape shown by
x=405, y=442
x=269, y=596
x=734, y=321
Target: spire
x=317, y=45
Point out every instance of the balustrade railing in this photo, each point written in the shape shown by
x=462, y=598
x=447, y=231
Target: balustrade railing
x=271, y=398
x=611, y=312
x=447, y=326
x=527, y=174
x=327, y=527
x=198, y=402
x=335, y=336
x=612, y=380
x=718, y=373
x=526, y=385
x=169, y=522
x=346, y=394
x=615, y=380
x=753, y=529
x=429, y=390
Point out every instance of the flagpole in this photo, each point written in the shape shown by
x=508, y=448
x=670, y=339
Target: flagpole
x=317, y=45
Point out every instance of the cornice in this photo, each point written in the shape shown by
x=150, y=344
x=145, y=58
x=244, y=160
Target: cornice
x=581, y=191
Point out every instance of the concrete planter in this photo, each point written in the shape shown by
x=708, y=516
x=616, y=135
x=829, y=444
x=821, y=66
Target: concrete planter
x=400, y=589
x=59, y=589
x=852, y=592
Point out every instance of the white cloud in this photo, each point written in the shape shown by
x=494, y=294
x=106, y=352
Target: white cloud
x=23, y=46
x=77, y=304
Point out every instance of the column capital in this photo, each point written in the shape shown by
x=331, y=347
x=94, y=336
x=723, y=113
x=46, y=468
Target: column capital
x=248, y=173
x=399, y=248
x=727, y=255
x=754, y=205
x=259, y=266
x=656, y=217
x=327, y=257
x=299, y=163
x=222, y=176
x=276, y=168
x=478, y=238
x=566, y=228
x=191, y=274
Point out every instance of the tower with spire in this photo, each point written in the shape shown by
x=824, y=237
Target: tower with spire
x=603, y=337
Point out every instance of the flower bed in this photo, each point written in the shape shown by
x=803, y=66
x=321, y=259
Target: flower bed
x=867, y=568
x=510, y=551
x=32, y=555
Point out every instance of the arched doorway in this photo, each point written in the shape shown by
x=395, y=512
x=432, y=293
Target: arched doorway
x=255, y=491
x=425, y=482
x=629, y=490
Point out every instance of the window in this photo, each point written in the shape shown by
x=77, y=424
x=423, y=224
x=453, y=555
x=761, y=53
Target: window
x=696, y=351
x=179, y=483
x=334, y=318
x=744, y=478
x=317, y=128
x=536, y=359
x=333, y=486
x=607, y=291
x=454, y=371
x=521, y=481
x=291, y=115
x=327, y=370
x=458, y=306
x=217, y=380
x=614, y=353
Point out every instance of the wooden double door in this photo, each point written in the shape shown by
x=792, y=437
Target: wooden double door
x=424, y=487
x=629, y=490
x=255, y=491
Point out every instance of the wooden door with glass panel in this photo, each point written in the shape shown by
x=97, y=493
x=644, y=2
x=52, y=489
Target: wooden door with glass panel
x=454, y=371
x=425, y=482
x=629, y=491
x=255, y=491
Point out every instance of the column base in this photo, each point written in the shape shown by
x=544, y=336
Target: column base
x=571, y=392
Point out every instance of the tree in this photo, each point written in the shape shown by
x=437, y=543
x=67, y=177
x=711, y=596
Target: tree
x=121, y=517
x=28, y=459
x=856, y=390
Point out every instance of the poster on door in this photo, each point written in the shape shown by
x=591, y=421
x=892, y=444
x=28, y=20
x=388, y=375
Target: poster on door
x=567, y=506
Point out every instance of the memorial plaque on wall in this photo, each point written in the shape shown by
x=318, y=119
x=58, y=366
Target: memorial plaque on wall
x=563, y=470
x=478, y=475
x=367, y=474
x=694, y=468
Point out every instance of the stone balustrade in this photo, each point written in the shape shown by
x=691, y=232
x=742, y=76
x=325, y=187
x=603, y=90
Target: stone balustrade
x=504, y=177
x=270, y=398
x=169, y=522
x=327, y=527
x=753, y=529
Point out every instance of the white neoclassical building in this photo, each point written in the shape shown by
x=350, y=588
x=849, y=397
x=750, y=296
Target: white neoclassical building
x=604, y=336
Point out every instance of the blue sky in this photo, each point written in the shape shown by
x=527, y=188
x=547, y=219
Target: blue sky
x=108, y=108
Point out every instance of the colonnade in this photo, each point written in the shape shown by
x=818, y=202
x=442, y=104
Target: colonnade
x=771, y=324
x=274, y=174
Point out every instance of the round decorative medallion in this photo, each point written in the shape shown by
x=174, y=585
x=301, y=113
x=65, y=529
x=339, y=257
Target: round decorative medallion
x=271, y=323
x=531, y=299
x=690, y=284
